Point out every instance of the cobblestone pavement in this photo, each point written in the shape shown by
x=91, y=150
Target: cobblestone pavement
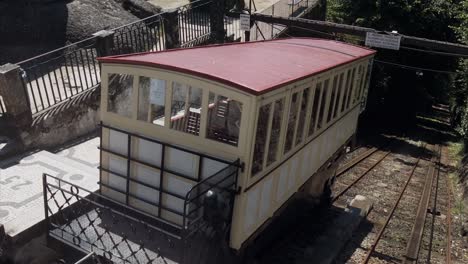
x=21, y=199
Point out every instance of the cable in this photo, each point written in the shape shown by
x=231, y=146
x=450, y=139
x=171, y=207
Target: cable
x=436, y=52
x=415, y=68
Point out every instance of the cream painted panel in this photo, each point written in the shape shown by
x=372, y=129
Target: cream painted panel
x=145, y=207
x=282, y=182
x=306, y=162
x=176, y=185
x=146, y=174
x=117, y=165
x=251, y=209
x=118, y=142
x=120, y=197
x=144, y=192
x=171, y=217
x=266, y=200
x=210, y=167
x=181, y=161
x=293, y=173
x=149, y=152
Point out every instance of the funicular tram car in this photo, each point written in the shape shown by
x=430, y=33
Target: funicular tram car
x=242, y=127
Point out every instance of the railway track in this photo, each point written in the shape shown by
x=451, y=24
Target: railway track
x=407, y=223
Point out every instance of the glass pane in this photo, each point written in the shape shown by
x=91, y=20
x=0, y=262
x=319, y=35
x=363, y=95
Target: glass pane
x=322, y=104
x=120, y=94
x=361, y=82
x=186, y=108
x=151, y=100
x=291, y=122
x=260, y=138
x=224, y=117
x=343, y=103
x=313, y=116
x=332, y=98
x=302, y=114
x=351, y=87
x=340, y=88
x=275, y=132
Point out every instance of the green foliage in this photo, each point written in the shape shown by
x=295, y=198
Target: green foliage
x=397, y=92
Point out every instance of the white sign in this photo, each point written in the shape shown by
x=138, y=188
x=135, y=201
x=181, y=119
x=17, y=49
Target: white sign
x=383, y=41
x=157, y=91
x=245, y=22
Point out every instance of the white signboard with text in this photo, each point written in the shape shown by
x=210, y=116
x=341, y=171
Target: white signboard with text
x=157, y=92
x=383, y=41
x=245, y=22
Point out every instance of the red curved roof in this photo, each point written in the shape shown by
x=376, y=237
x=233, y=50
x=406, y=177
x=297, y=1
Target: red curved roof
x=255, y=67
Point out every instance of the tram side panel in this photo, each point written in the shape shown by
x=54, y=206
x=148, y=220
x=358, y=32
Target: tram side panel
x=260, y=202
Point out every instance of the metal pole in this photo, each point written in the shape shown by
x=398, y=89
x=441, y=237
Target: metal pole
x=247, y=33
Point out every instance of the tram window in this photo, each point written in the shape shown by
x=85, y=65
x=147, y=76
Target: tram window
x=340, y=88
x=224, y=117
x=348, y=77
x=361, y=83
x=350, y=90
x=151, y=100
x=120, y=94
x=291, y=122
x=260, y=138
x=313, y=116
x=302, y=114
x=275, y=132
x=322, y=104
x=185, y=108
x=332, y=98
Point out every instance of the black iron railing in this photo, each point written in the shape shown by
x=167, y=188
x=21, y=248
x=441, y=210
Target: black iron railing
x=59, y=75
x=91, y=222
x=194, y=24
x=56, y=76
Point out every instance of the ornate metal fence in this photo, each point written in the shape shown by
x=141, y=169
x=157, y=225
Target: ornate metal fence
x=284, y=8
x=61, y=74
x=91, y=222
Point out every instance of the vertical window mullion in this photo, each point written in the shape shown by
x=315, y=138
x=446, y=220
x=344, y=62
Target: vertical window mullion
x=204, y=113
x=168, y=104
x=298, y=111
x=267, y=141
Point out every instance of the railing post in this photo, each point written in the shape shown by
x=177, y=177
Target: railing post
x=171, y=29
x=218, y=34
x=104, y=42
x=15, y=97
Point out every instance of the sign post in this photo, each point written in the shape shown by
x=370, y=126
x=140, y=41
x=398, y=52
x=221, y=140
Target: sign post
x=245, y=25
x=384, y=41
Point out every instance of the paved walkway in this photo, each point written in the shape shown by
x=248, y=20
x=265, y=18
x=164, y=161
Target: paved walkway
x=21, y=199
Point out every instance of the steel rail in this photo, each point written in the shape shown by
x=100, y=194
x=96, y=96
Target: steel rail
x=360, y=176
x=448, y=256
x=414, y=244
x=389, y=217
x=355, y=161
x=434, y=205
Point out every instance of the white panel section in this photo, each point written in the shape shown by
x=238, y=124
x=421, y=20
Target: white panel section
x=176, y=185
x=181, y=161
x=118, y=142
x=146, y=174
x=173, y=203
x=144, y=192
x=306, y=162
x=117, y=165
x=282, y=182
x=174, y=218
x=251, y=209
x=266, y=200
x=293, y=172
x=210, y=167
x=145, y=207
x=120, y=197
x=149, y=152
